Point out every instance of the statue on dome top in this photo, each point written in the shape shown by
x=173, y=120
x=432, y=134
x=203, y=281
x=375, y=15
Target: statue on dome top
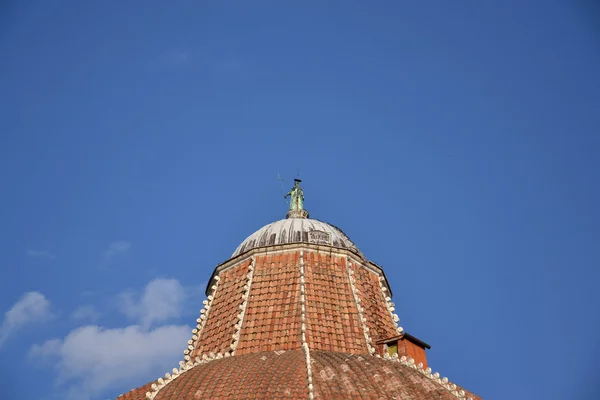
x=296, y=196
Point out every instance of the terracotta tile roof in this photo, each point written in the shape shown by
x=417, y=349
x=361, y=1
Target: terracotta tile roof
x=283, y=374
x=216, y=336
x=264, y=375
x=345, y=376
x=272, y=320
x=281, y=325
x=378, y=318
x=332, y=317
x=136, y=394
x=271, y=316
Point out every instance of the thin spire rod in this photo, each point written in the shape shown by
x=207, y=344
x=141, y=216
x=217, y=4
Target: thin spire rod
x=280, y=179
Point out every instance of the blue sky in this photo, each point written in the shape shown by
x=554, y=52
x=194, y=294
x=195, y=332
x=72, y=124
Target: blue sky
x=457, y=143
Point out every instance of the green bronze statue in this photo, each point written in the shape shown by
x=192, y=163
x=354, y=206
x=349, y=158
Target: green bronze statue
x=296, y=196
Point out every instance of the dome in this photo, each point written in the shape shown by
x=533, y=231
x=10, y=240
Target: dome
x=283, y=374
x=299, y=321
x=296, y=230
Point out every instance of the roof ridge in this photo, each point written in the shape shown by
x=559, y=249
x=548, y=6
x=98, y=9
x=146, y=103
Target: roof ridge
x=390, y=305
x=177, y=372
x=243, y=306
x=305, y=346
x=454, y=389
x=359, y=308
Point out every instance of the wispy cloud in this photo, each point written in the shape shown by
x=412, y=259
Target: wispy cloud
x=86, y=312
x=35, y=253
x=32, y=307
x=117, y=248
x=161, y=300
x=92, y=360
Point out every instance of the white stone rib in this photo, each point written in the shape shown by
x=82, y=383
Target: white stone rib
x=357, y=300
x=188, y=363
x=203, y=318
x=311, y=392
x=243, y=306
x=176, y=373
x=390, y=306
x=443, y=382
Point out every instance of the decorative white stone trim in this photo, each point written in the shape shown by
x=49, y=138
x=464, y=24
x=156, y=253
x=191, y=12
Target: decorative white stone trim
x=177, y=372
x=360, y=309
x=201, y=321
x=238, y=325
x=390, y=306
x=311, y=392
x=443, y=382
x=192, y=343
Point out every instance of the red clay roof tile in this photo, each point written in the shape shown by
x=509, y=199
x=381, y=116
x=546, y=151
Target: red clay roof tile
x=283, y=374
x=269, y=293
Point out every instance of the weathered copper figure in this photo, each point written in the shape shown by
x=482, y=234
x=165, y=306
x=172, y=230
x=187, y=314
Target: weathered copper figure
x=296, y=196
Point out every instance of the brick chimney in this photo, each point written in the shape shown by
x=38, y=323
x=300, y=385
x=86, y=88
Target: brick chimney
x=404, y=345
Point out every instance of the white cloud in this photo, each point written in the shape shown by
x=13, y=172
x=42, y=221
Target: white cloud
x=33, y=253
x=161, y=300
x=86, y=312
x=92, y=359
x=32, y=307
x=117, y=248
